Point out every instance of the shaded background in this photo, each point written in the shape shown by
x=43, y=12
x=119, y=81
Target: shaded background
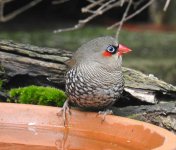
x=151, y=34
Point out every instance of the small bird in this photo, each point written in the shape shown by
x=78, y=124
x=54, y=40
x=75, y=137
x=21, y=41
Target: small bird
x=95, y=82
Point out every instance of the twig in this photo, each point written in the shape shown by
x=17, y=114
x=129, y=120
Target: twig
x=95, y=7
x=16, y=12
x=81, y=23
x=77, y=26
x=136, y=4
x=105, y=5
x=5, y=1
x=132, y=15
x=56, y=2
x=122, y=2
x=99, y=10
x=123, y=18
x=90, y=6
x=166, y=5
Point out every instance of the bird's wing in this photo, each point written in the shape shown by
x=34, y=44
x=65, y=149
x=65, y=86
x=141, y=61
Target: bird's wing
x=71, y=62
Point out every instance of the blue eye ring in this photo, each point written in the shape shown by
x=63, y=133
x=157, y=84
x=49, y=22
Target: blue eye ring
x=112, y=49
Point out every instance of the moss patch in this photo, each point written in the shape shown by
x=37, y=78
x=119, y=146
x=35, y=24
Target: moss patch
x=38, y=95
x=133, y=116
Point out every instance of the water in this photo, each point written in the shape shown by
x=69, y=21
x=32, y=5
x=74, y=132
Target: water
x=23, y=137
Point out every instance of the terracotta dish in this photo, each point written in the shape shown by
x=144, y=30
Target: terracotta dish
x=30, y=127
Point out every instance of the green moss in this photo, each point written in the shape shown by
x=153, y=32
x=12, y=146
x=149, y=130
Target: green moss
x=136, y=117
x=133, y=116
x=38, y=95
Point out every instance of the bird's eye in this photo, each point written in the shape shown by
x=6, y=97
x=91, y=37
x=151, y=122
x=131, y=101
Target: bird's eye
x=112, y=49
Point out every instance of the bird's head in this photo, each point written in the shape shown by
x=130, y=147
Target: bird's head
x=103, y=50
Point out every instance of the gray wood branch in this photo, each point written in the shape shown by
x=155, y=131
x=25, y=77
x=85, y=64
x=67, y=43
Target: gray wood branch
x=23, y=59
x=47, y=65
x=163, y=115
x=147, y=88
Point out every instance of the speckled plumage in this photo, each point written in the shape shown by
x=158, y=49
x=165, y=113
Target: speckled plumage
x=95, y=82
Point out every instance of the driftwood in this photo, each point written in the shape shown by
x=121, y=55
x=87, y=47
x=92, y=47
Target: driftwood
x=40, y=63
x=147, y=88
x=163, y=115
x=23, y=65
x=46, y=66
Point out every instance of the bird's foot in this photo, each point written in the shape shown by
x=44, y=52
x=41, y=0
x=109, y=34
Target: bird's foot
x=104, y=113
x=64, y=111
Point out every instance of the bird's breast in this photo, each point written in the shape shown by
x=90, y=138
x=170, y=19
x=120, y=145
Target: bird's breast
x=93, y=88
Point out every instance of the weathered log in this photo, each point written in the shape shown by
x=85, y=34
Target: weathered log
x=147, y=88
x=24, y=64
x=163, y=115
x=44, y=65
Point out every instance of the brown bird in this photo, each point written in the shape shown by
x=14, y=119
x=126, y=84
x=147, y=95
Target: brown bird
x=95, y=81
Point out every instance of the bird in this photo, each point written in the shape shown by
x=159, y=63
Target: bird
x=95, y=81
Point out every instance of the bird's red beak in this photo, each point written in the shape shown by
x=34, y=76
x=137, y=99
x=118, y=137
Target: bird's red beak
x=123, y=49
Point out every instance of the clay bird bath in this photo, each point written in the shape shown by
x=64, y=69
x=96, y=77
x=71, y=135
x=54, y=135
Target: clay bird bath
x=39, y=128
